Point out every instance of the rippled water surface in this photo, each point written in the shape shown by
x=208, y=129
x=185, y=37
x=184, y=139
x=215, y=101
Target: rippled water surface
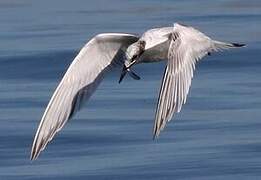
x=216, y=136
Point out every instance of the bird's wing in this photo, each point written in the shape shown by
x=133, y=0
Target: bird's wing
x=83, y=76
x=155, y=37
x=187, y=46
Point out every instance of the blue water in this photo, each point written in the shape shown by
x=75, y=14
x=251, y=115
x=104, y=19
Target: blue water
x=216, y=136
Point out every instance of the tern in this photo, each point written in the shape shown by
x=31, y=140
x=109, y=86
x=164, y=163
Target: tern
x=181, y=46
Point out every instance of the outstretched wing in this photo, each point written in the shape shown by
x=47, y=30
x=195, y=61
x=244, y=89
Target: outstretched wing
x=83, y=76
x=187, y=46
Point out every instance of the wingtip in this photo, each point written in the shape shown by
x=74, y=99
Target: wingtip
x=156, y=133
x=34, y=153
x=154, y=138
x=238, y=45
x=33, y=156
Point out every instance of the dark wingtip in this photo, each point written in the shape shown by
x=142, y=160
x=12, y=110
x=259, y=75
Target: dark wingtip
x=33, y=155
x=31, y=158
x=156, y=133
x=154, y=137
x=238, y=45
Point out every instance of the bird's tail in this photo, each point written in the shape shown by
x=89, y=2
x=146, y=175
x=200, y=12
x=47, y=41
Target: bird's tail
x=224, y=45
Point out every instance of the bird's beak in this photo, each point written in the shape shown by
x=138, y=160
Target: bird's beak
x=123, y=72
x=126, y=69
x=131, y=64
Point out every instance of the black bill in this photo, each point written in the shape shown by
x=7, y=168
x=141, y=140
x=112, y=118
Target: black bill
x=126, y=70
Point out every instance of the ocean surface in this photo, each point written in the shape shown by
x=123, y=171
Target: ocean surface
x=217, y=135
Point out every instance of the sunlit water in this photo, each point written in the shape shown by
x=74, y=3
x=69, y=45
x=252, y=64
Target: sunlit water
x=217, y=135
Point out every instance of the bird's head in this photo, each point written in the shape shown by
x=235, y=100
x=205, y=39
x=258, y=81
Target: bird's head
x=133, y=53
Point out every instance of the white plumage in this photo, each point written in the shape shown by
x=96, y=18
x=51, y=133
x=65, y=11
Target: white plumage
x=181, y=46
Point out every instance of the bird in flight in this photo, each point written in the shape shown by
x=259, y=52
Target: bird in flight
x=180, y=45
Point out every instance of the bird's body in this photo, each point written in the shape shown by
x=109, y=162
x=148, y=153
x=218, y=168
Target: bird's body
x=157, y=45
x=182, y=46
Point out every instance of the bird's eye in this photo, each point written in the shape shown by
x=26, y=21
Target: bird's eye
x=134, y=56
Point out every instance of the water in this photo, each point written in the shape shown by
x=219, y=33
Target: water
x=216, y=136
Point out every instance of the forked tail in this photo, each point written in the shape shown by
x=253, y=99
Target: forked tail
x=224, y=45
